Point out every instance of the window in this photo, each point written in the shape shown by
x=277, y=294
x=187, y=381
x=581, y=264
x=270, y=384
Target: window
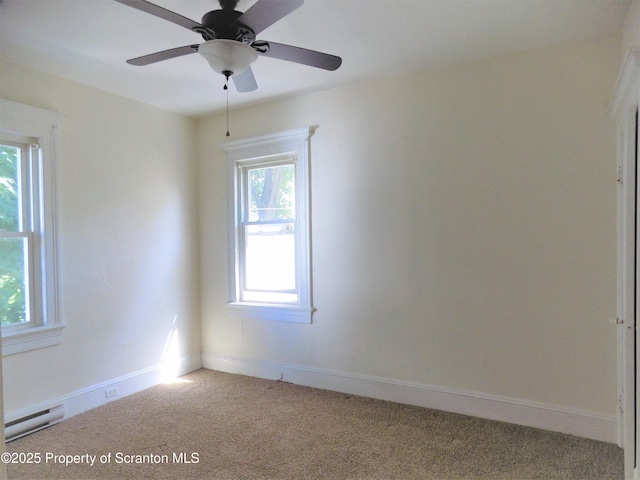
x=269, y=247
x=17, y=252
x=28, y=297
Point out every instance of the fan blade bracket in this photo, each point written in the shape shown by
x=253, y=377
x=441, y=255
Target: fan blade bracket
x=260, y=46
x=207, y=32
x=244, y=34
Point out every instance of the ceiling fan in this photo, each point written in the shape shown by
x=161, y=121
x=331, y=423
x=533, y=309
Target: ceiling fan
x=230, y=44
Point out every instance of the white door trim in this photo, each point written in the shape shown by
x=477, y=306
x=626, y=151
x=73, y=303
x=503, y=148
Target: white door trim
x=623, y=108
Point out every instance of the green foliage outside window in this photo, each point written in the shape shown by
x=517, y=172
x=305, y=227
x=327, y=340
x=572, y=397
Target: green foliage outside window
x=12, y=274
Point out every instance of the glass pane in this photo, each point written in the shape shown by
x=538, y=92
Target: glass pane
x=9, y=188
x=271, y=193
x=270, y=262
x=13, y=281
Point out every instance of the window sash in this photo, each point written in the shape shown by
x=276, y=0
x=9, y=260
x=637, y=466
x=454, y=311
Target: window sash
x=244, y=172
x=284, y=252
x=24, y=173
x=267, y=295
x=31, y=294
x=27, y=184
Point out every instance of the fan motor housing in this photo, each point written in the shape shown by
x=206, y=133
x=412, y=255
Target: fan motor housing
x=223, y=23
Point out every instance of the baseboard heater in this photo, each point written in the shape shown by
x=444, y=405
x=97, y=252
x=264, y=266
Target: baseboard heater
x=32, y=423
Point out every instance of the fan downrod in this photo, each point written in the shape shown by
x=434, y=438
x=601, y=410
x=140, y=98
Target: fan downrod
x=228, y=4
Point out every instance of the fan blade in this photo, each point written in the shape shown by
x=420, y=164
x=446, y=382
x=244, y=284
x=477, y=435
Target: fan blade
x=163, y=55
x=265, y=13
x=298, y=55
x=163, y=13
x=245, y=81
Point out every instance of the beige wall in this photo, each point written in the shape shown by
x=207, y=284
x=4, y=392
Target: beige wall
x=127, y=250
x=463, y=224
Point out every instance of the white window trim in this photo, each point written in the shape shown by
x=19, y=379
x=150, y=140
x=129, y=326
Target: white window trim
x=25, y=120
x=294, y=144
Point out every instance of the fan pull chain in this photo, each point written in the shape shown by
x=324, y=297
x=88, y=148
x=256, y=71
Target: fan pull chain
x=226, y=87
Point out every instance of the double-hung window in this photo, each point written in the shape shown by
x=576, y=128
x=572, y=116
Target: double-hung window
x=269, y=249
x=18, y=244
x=267, y=270
x=28, y=307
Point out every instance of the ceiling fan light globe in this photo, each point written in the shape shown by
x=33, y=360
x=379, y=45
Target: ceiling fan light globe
x=227, y=55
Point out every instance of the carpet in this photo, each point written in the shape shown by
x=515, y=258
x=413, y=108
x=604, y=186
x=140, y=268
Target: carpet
x=214, y=425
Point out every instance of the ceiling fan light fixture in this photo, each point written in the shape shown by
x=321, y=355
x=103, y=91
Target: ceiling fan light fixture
x=226, y=56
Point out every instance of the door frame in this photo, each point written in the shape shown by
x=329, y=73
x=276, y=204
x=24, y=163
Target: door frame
x=623, y=108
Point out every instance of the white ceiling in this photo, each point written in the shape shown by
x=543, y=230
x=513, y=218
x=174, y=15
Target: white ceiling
x=89, y=40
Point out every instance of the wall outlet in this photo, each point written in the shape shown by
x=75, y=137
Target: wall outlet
x=111, y=392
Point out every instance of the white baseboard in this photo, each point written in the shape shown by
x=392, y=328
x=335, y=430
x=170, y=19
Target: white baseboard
x=95, y=395
x=494, y=407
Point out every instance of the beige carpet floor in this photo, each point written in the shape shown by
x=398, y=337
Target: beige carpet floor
x=233, y=427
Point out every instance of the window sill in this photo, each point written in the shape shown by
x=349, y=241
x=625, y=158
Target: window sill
x=262, y=311
x=31, y=339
